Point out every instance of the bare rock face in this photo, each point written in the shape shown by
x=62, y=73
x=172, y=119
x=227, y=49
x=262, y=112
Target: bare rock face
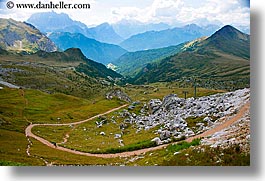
x=172, y=101
x=157, y=141
x=119, y=94
x=154, y=105
x=164, y=135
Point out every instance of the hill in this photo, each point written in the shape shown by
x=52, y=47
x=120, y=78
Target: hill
x=131, y=63
x=21, y=36
x=52, y=22
x=68, y=72
x=165, y=38
x=231, y=41
x=220, y=61
x=95, y=50
x=75, y=55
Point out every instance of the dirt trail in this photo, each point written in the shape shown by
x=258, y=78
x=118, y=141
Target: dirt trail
x=131, y=153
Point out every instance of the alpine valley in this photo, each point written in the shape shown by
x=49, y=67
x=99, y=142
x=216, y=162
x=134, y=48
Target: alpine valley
x=123, y=94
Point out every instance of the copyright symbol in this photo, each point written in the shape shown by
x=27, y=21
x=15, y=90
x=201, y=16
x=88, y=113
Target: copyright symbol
x=10, y=4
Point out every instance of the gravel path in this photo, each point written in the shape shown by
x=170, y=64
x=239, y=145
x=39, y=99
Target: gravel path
x=131, y=153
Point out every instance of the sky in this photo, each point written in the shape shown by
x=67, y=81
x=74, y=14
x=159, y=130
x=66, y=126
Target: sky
x=173, y=12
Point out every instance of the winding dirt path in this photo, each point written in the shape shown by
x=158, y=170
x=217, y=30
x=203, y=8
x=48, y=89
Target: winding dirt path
x=131, y=153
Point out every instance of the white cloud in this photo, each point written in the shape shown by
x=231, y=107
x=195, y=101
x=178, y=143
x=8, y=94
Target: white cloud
x=186, y=11
x=169, y=11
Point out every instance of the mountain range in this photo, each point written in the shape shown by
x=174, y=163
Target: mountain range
x=93, y=49
x=165, y=38
x=48, y=22
x=127, y=28
x=37, y=64
x=221, y=60
x=21, y=36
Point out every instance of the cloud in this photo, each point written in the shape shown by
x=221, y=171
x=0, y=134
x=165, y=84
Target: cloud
x=186, y=11
x=174, y=12
x=166, y=8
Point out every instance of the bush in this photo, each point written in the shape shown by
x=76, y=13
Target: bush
x=131, y=147
x=183, y=145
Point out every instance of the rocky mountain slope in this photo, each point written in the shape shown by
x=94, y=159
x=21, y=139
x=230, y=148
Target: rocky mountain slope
x=21, y=36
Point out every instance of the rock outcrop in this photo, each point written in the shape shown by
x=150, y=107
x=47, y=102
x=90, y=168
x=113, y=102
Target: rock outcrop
x=171, y=114
x=119, y=94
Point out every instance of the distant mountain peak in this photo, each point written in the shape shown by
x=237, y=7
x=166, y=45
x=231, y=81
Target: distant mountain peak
x=230, y=32
x=53, y=22
x=92, y=49
x=227, y=29
x=165, y=38
x=104, y=25
x=193, y=25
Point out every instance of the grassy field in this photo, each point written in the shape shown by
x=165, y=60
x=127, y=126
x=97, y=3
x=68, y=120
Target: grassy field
x=86, y=136
x=57, y=157
x=13, y=149
x=20, y=107
x=161, y=89
x=192, y=154
x=13, y=152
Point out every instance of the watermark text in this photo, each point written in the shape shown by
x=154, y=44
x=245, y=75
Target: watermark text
x=50, y=5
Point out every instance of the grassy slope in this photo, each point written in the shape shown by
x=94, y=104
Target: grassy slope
x=220, y=61
x=18, y=107
x=160, y=89
x=31, y=104
x=213, y=70
x=131, y=63
x=192, y=154
x=52, y=74
x=86, y=137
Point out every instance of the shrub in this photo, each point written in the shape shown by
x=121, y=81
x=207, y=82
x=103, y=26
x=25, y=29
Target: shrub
x=131, y=147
